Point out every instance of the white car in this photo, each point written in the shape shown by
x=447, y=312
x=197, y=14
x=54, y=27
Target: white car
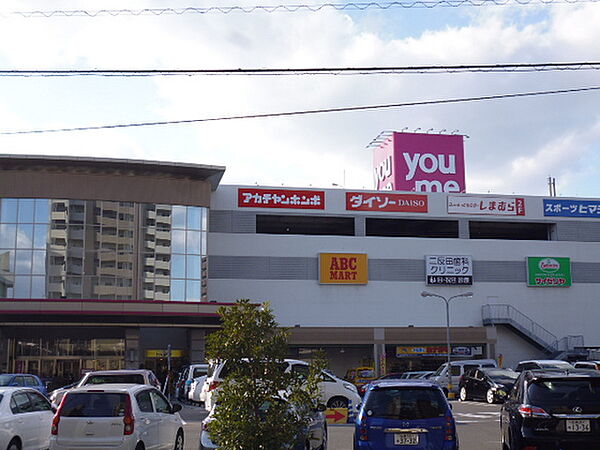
x=196, y=394
x=186, y=378
x=335, y=392
x=134, y=376
x=117, y=416
x=25, y=419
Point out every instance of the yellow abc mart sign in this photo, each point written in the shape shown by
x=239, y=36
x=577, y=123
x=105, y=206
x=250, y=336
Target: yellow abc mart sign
x=343, y=268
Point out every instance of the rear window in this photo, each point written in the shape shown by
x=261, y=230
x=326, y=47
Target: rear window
x=116, y=378
x=544, y=392
x=365, y=373
x=556, y=365
x=406, y=403
x=94, y=404
x=199, y=372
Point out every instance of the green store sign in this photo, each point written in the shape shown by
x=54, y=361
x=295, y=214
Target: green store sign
x=546, y=271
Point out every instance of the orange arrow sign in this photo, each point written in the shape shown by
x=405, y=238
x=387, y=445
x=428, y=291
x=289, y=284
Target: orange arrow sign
x=336, y=415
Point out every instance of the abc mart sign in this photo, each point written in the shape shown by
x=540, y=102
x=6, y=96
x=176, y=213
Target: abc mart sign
x=545, y=271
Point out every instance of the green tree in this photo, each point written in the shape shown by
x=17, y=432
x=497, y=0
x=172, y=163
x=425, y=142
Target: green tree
x=248, y=415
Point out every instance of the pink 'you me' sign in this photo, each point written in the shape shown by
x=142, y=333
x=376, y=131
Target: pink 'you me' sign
x=420, y=162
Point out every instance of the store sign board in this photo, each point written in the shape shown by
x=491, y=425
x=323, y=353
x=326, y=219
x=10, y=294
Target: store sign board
x=343, y=268
x=163, y=353
x=491, y=206
x=280, y=198
x=386, y=202
x=571, y=208
x=420, y=162
x=407, y=351
x=545, y=271
x=449, y=270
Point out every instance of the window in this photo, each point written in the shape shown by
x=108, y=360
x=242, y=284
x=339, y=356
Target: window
x=92, y=404
x=310, y=225
x=411, y=228
x=510, y=230
x=301, y=371
x=30, y=381
x=39, y=402
x=406, y=403
x=144, y=401
x=20, y=403
x=160, y=403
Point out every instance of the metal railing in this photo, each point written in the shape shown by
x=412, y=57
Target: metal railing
x=508, y=314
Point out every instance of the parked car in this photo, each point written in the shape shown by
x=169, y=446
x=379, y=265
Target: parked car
x=534, y=364
x=405, y=414
x=359, y=376
x=312, y=437
x=117, y=416
x=415, y=374
x=186, y=377
x=594, y=365
x=457, y=370
x=196, y=393
x=23, y=380
x=335, y=392
x=552, y=409
x=390, y=376
x=489, y=384
x=141, y=376
x=25, y=419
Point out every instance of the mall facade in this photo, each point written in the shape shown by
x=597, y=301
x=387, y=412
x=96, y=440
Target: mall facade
x=106, y=263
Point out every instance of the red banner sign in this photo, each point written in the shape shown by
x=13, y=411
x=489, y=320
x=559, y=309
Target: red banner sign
x=281, y=198
x=381, y=201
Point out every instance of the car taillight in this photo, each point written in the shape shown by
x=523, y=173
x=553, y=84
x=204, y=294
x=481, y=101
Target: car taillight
x=56, y=418
x=363, y=434
x=213, y=385
x=449, y=428
x=128, y=420
x=532, y=411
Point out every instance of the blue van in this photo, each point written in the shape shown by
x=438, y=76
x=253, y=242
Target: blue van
x=405, y=414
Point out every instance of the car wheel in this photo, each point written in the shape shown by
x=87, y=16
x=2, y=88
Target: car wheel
x=337, y=402
x=14, y=445
x=140, y=446
x=490, y=397
x=462, y=395
x=179, y=441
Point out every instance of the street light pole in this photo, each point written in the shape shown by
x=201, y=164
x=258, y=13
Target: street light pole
x=447, y=302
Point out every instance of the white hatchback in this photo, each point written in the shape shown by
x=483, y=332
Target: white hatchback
x=117, y=416
x=25, y=419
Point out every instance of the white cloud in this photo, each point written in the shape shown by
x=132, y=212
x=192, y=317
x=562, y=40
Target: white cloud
x=513, y=144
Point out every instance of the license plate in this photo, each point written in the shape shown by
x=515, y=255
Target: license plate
x=578, y=426
x=406, y=439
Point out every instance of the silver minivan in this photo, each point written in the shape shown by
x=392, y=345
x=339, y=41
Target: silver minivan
x=457, y=369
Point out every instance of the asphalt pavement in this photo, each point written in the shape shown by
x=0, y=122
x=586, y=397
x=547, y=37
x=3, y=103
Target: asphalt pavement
x=477, y=424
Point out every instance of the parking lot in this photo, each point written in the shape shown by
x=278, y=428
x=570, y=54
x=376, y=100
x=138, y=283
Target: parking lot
x=477, y=424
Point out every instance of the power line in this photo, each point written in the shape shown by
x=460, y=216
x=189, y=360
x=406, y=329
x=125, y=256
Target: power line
x=353, y=6
x=373, y=70
x=306, y=112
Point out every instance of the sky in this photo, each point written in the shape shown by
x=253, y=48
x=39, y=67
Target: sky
x=513, y=145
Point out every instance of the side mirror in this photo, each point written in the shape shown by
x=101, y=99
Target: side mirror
x=176, y=408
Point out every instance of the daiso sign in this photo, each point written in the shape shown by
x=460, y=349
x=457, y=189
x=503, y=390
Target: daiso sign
x=420, y=162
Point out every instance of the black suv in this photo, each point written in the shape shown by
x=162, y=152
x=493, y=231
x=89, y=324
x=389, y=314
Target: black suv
x=552, y=410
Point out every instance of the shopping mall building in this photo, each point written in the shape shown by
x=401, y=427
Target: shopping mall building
x=106, y=263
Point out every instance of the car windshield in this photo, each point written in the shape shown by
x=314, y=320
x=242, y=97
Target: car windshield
x=556, y=365
x=94, y=404
x=406, y=403
x=132, y=378
x=5, y=380
x=564, y=391
x=502, y=376
x=365, y=373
